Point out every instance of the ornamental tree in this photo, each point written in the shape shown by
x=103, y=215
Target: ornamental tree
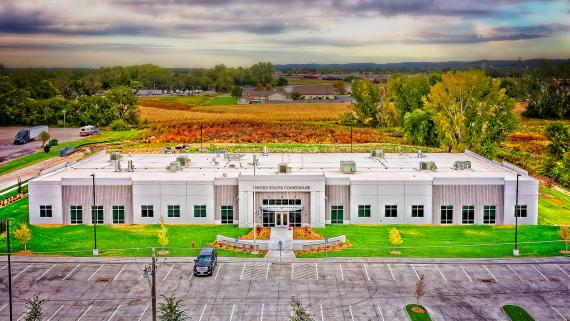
x=395, y=239
x=23, y=234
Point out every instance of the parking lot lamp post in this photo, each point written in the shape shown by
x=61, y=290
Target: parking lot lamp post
x=7, y=222
x=64, y=132
x=94, y=219
x=254, y=208
x=516, y=249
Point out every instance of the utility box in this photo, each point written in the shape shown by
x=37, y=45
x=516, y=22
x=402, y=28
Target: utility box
x=377, y=153
x=348, y=167
x=461, y=165
x=282, y=168
x=53, y=142
x=428, y=166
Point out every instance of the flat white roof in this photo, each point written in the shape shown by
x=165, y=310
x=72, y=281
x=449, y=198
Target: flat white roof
x=207, y=166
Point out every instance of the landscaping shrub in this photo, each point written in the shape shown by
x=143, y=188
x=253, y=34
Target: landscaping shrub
x=119, y=125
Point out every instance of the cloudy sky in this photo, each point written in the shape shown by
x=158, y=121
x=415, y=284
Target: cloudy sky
x=188, y=33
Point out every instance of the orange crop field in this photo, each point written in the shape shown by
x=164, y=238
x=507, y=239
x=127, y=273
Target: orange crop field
x=263, y=123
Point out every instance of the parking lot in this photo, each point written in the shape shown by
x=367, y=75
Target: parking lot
x=258, y=290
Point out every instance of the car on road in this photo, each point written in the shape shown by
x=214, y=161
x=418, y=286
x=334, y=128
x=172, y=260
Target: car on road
x=88, y=131
x=206, y=261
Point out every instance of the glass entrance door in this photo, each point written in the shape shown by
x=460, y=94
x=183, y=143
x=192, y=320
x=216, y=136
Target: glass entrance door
x=281, y=219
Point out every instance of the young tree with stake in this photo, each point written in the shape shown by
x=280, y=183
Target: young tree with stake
x=34, y=308
x=171, y=309
x=162, y=236
x=395, y=239
x=564, y=234
x=23, y=235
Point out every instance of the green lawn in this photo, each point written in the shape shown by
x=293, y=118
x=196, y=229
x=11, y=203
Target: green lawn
x=553, y=207
x=417, y=316
x=222, y=101
x=517, y=313
x=189, y=100
x=34, y=158
x=114, y=240
x=443, y=241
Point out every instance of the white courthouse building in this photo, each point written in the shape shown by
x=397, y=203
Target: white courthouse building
x=290, y=189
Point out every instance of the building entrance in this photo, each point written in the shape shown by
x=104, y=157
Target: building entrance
x=281, y=219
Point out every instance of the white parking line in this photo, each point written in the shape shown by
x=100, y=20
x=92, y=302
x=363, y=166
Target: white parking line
x=441, y=273
x=24, y=314
x=366, y=272
x=467, y=275
x=112, y=315
x=145, y=310
x=317, y=271
x=262, y=307
x=232, y=315
x=168, y=273
x=491, y=274
x=563, y=271
x=341, y=273
x=267, y=271
x=68, y=274
x=141, y=276
x=46, y=272
x=415, y=271
x=84, y=313
x=121, y=271
x=560, y=314
x=92, y=275
x=2, y=308
x=537, y=270
x=322, y=317
x=351, y=315
x=24, y=270
x=392, y=274
x=202, y=314
x=217, y=272
x=518, y=276
x=242, y=270
x=5, y=266
x=191, y=275
x=380, y=310
x=53, y=315
x=292, y=270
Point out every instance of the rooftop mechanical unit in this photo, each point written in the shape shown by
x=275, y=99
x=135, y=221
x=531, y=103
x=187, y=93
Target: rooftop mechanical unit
x=174, y=167
x=282, y=168
x=461, y=165
x=348, y=167
x=421, y=154
x=233, y=156
x=377, y=153
x=115, y=156
x=183, y=160
x=427, y=166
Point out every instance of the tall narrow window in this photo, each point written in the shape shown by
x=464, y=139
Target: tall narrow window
x=147, y=211
x=45, y=211
x=520, y=210
x=391, y=210
x=227, y=212
x=118, y=214
x=468, y=214
x=417, y=211
x=446, y=214
x=97, y=214
x=489, y=214
x=76, y=214
x=337, y=214
x=363, y=210
x=199, y=210
x=173, y=211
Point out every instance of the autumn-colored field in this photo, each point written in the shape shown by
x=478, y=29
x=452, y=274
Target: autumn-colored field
x=286, y=123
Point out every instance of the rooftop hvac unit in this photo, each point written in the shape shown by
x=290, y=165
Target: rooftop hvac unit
x=265, y=152
x=282, y=168
x=233, y=156
x=117, y=164
x=421, y=154
x=428, y=166
x=173, y=167
x=347, y=167
x=130, y=166
x=183, y=160
x=461, y=165
x=115, y=156
x=232, y=165
x=377, y=153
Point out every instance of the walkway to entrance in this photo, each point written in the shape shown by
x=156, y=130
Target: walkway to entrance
x=285, y=236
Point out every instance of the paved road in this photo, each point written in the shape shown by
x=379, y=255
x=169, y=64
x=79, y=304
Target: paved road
x=257, y=290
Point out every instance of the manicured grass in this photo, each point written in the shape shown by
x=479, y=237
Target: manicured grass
x=553, y=207
x=417, y=316
x=517, y=313
x=189, y=100
x=41, y=156
x=114, y=240
x=222, y=101
x=443, y=241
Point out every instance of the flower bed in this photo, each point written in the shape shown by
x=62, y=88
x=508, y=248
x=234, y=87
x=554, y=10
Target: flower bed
x=224, y=246
x=306, y=233
x=9, y=200
x=263, y=233
x=325, y=249
x=417, y=312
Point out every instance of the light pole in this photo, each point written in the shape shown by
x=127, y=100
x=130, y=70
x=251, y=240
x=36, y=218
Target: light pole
x=516, y=249
x=64, y=132
x=9, y=265
x=94, y=219
x=254, y=208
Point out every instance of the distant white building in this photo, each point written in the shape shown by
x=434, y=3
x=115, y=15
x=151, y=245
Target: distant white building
x=287, y=189
x=264, y=95
x=243, y=101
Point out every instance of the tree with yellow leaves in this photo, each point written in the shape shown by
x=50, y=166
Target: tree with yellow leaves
x=162, y=235
x=23, y=235
x=564, y=234
x=395, y=239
